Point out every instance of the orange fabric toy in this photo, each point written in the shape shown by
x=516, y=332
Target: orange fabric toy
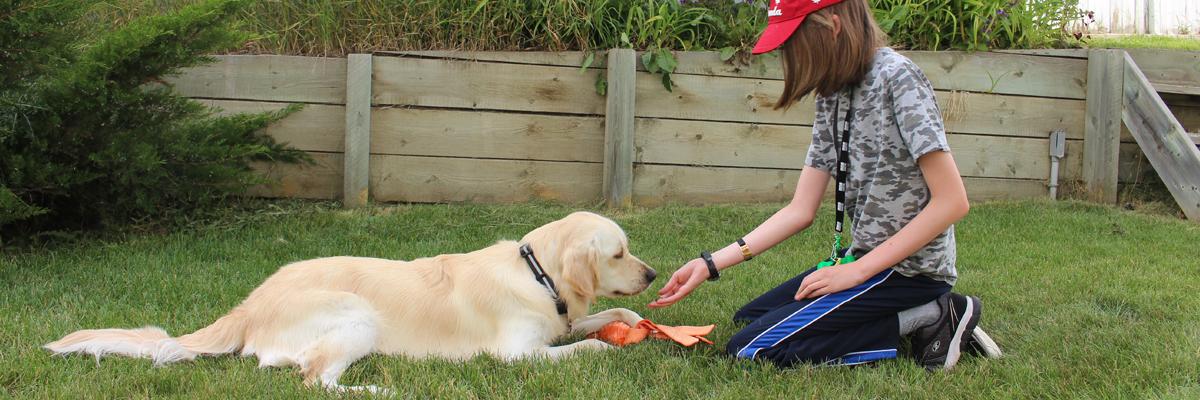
x=618, y=333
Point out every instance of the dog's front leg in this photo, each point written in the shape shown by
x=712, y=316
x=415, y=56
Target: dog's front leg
x=594, y=322
x=559, y=352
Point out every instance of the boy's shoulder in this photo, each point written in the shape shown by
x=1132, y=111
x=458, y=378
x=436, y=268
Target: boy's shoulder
x=891, y=65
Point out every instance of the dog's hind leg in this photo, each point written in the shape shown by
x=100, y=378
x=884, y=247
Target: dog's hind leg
x=323, y=332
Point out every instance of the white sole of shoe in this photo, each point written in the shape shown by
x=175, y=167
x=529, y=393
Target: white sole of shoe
x=987, y=347
x=955, y=350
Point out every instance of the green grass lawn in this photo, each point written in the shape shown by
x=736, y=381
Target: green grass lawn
x=1191, y=43
x=1088, y=302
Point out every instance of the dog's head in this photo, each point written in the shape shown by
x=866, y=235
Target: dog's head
x=593, y=256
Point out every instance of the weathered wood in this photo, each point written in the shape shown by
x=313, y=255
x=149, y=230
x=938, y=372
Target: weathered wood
x=697, y=97
x=1174, y=70
x=355, y=189
x=289, y=79
x=662, y=184
x=716, y=144
x=618, y=128
x=485, y=86
x=717, y=99
x=322, y=180
x=482, y=134
x=1020, y=74
x=316, y=127
x=1103, y=124
x=1167, y=69
x=1187, y=115
x=1169, y=149
x=439, y=180
x=1068, y=53
x=553, y=58
x=1004, y=73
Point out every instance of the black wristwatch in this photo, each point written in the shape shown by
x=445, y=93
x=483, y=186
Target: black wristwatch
x=712, y=266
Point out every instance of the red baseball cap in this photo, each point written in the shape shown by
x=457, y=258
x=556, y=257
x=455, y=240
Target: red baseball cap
x=783, y=17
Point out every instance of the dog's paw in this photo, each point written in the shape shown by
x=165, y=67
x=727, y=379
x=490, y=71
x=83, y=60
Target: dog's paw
x=594, y=344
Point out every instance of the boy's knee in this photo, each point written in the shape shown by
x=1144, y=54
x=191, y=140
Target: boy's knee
x=739, y=341
x=744, y=315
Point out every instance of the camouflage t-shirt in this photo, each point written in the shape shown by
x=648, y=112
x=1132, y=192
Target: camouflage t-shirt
x=896, y=121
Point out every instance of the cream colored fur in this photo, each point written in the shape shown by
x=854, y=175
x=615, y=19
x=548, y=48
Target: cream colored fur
x=324, y=314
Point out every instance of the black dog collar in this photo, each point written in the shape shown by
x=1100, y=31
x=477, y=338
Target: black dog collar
x=542, y=278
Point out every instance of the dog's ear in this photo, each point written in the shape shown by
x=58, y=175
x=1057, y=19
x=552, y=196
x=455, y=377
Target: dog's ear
x=579, y=268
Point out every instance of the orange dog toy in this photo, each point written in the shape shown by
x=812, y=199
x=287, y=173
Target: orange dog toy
x=618, y=333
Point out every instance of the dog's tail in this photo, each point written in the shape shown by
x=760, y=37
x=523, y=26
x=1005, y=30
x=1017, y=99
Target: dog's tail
x=226, y=335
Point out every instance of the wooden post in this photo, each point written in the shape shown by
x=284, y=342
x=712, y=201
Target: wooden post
x=1151, y=19
x=1102, y=126
x=356, y=172
x=618, y=128
x=1170, y=151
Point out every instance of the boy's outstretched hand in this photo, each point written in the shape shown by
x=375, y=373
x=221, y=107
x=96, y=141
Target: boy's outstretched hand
x=682, y=283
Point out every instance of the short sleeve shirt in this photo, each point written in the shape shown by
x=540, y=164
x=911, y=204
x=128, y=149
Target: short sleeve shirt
x=895, y=122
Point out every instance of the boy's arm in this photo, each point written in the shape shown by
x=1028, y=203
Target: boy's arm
x=788, y=221
x=947, y=204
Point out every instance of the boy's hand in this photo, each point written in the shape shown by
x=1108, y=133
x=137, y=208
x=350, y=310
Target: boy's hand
x=682, y=283
x=830, y=280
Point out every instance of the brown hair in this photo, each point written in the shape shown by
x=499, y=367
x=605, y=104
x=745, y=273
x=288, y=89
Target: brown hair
x=813, y=59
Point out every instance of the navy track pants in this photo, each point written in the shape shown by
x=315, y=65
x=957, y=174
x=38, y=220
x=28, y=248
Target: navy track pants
x=854, y=326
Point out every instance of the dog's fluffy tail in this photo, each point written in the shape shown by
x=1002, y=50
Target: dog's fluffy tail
x=226, y=335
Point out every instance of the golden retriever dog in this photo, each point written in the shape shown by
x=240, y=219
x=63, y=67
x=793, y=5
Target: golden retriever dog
x=324, y=314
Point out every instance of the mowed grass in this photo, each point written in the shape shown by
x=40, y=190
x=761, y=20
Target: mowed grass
x=1189, y=43
x=1088, y=302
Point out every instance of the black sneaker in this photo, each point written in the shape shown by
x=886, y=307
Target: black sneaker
x=940, y=344
x=980, y=344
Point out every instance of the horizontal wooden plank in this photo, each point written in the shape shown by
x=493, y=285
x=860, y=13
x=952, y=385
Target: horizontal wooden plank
x=490, y=86
x=556, y=58
x=749, y=100
x=439, y=180
x=1004, y=73
x=432, y=132
x=655, y=185
x=1019, y=74
x=1069, y=53
x=316, y=127
x=773, y=146
x=704, y=143
x=1010, y=73
x=1169, y=67
x=266, y=77
x=323, y=180
x=717, y=99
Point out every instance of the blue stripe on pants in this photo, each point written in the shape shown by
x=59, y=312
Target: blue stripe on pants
x=805, y=316
x=862, y=357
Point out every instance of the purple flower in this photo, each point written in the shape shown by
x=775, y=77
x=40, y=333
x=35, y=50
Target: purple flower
x=1002, y=13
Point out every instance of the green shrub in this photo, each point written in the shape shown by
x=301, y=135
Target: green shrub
x=976, y=24
x=337, y=27
x=87, y=136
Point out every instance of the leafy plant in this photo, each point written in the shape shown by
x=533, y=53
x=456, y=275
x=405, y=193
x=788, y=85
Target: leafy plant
x=975, y=25
x=87, y=136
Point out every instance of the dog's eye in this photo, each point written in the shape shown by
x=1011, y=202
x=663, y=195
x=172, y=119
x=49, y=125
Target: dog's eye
x=619, y=255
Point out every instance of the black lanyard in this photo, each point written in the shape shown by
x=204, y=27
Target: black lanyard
x=842, y=150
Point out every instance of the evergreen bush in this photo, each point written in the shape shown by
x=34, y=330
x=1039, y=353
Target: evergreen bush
x=91, y=137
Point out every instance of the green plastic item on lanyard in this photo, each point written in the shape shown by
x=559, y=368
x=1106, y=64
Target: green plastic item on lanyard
x=841, y=255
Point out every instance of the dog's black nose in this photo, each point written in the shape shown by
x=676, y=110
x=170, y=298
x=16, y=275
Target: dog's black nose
x=650, y=275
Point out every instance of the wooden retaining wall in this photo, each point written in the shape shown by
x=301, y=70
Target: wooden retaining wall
x=511, y=127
